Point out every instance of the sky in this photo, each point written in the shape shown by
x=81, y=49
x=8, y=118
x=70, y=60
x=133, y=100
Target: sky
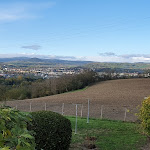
x=95, y=30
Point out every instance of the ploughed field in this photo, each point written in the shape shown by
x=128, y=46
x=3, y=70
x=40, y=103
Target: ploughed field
x=113, y=99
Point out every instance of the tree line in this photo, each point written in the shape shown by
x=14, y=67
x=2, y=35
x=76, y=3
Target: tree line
x=26, y=87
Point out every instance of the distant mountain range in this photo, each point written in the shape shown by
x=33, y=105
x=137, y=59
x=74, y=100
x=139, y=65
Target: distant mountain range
x=13, y=59
x=33, y=62
x=27, y=60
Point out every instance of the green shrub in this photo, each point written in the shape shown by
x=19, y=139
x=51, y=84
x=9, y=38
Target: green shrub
x=13, y=130
x=144, y=115
x=53, y=131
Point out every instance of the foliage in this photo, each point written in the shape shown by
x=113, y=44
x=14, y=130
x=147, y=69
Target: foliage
x=144, y=115
x=3, y=90
x=13, y=130
x=24, y=88
x=53, y=131
x=18, y=93
x=109, y=134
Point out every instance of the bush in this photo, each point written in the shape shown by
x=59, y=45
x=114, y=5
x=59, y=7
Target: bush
x=144, y=115
x=13, y=130
x=53, y=131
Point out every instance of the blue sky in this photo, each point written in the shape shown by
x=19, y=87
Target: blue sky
x=97, y=30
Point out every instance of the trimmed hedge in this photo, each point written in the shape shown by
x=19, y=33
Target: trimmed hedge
x=53, y=131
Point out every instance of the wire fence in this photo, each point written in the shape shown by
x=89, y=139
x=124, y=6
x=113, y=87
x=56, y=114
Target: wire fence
x=88, y=109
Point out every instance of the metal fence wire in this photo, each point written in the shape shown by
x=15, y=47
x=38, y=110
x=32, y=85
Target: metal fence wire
x=94, y=110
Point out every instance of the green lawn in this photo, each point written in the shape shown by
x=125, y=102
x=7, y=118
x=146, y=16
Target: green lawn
x=110, y=135
x=83, y=89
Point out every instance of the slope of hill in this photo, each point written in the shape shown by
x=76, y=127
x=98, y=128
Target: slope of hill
x=114, y=95
x=98, y=65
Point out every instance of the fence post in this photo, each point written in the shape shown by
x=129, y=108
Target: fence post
x=101, y=111
x=88, y=111
x=30, y=107
x=16, y=106
x=63, y=109
x=45, y=106
x=125, y=114
x=81, y=110
x=76, y=118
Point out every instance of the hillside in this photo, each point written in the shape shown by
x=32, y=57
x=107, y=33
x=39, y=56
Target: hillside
x=100, y=65
x=114, y=95
x=113, y=92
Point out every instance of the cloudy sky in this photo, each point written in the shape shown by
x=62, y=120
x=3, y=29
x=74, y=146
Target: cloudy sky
x=97, y=30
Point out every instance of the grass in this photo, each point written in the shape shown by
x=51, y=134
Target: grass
x=83, y=89
x=110, y=135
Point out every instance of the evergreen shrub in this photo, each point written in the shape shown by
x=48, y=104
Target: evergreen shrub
x=53, y=131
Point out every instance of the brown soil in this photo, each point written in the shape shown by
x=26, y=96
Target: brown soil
x=114, y=95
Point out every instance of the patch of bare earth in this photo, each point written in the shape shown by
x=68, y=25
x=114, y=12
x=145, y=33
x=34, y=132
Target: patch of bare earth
x=89, y=143
x=147, y=146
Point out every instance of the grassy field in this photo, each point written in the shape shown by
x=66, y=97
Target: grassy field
x=106, y=135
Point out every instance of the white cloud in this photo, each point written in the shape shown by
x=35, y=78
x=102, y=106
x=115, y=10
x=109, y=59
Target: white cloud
x=104, y=58
x=135, y=55
x=112, y=57
x=22, y=10
x=7, y=17
x=141, y=59
x=107, y=54
x=33, y=47
x=12, y=16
